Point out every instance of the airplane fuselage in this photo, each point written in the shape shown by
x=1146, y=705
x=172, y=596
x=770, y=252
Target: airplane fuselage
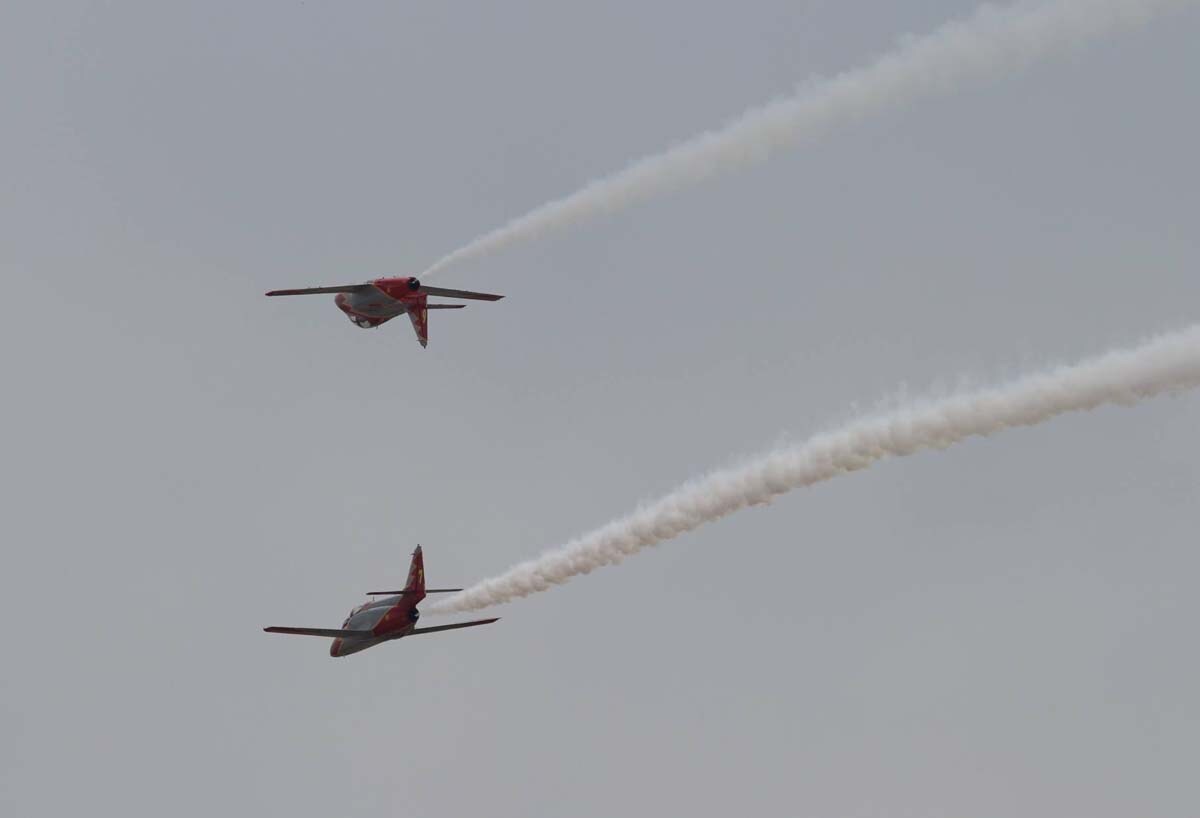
x=388, y=618
x=384, y=300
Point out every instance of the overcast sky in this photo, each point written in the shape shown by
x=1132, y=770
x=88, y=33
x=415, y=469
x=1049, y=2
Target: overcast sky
x=1004, y=628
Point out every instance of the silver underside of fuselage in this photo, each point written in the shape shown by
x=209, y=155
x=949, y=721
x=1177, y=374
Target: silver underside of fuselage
x=374, y=304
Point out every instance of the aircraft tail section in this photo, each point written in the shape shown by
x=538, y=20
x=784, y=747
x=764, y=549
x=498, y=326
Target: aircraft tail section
x=416, y=574
x=416, y=581
x=419, y=315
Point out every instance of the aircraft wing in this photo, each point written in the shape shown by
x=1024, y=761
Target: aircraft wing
x=340, y=288
x=329, y=632
x=437, y=628
x=445, y=293
x=427, y=590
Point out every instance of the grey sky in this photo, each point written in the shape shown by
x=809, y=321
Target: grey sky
x=998, y=629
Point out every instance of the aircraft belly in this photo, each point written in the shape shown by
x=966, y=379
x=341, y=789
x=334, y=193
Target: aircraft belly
x=373, y=304
x=348, y=646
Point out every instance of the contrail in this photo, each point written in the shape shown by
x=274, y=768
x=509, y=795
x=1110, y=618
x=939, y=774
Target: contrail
x=1168, y=363
x=992, y=41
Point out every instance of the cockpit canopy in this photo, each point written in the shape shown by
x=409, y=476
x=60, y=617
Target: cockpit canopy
x=368, y=614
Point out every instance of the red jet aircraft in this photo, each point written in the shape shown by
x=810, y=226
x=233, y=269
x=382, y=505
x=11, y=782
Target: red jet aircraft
x=382, y=620
x=369, y=305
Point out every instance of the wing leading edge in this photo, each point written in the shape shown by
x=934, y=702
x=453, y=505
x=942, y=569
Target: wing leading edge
x=339, y=633
x=447, y=293
x=333, y=633
x=427, y=590
x=340, y=288
x=455, y=626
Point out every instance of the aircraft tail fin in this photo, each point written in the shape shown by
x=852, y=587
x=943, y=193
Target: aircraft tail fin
x=419, y=315
x=416, y=574
x=416, y=581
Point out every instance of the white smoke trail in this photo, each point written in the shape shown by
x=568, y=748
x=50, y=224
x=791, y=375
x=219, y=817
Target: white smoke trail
x=992, y=41
x=1168, y=363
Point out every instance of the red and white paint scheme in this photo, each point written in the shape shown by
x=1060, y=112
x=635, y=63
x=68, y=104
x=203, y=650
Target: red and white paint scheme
x=382, y=620
x=371, y=304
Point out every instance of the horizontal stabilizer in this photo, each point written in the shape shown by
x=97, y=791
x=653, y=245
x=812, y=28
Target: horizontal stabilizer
x=444, y=306
x=329, y=632
x=437, y=628
x=341, y=288
x=445, y=293
x=427, y=590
